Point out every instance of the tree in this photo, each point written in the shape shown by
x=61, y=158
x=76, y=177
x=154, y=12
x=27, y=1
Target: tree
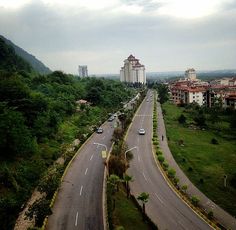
x=184, y=188
x=163, y=93
x=39, y=210
x=127, y=179
x=114, y=180
x=195, y=200
x=200, y=119
x=143, y=197
x=171, y=173
x=182, y=119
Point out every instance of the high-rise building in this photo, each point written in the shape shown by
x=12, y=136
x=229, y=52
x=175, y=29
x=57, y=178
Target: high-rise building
x=133, y=71
x=83, y=71
x=191, y=74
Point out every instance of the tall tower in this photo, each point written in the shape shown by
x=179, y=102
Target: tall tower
x=133, y=71
x=83, y=71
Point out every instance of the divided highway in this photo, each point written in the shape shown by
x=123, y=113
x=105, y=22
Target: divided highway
x=164, y=207
x=79, y=201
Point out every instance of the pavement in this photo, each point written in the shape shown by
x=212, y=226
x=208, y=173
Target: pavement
x=222, y=216
x=164, y=207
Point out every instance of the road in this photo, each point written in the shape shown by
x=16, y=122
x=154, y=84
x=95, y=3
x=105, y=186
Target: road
x=164, y=207
x=79, y=201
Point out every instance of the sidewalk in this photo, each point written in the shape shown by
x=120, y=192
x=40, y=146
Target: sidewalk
x=222, y=216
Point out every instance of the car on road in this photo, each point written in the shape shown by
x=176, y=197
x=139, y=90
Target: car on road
x=111, y=118
x=99, y=130
x=141, y=131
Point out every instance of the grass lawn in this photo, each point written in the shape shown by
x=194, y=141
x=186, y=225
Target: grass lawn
x=204, y=163
x=126, y=214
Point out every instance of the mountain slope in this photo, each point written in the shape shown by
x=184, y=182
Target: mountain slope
x=37, y=65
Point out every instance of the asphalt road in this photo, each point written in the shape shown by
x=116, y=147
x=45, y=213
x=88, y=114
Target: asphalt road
x=79, y=201
x=164, y=207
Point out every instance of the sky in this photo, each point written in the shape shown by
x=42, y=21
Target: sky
x=165, y=35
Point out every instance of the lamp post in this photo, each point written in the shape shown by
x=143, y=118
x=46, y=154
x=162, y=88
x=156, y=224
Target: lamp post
x=135, y=147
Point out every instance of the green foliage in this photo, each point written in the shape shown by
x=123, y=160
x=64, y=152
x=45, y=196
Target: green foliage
x=143, y=197
x=202, y=159
x=195, y=200
x=171, y=173
x=161, y=158
x=210, y=215
x=214, y=141
x=182, y=119
x=165, y=165
x=163, y=93
x=184, y=188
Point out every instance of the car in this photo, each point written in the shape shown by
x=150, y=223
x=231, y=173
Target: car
x=99, y=130
x=111, y=118
x=141, y=131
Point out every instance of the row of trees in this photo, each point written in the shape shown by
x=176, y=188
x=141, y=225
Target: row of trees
x=33, y=111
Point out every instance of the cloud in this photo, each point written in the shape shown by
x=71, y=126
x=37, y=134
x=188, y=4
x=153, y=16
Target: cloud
x=66, y=35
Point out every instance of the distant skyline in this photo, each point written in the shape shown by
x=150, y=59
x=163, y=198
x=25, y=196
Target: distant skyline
x=166, y=35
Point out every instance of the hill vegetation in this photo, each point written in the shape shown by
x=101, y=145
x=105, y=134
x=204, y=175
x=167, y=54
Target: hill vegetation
x=37, y=65
x=39, y=119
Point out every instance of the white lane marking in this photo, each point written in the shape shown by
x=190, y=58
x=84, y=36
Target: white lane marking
x=86, y=171
x=144, y=176
x=103, y=138
x=81, y=189
x=159, y=198
x=76, y=219
x=91, y=157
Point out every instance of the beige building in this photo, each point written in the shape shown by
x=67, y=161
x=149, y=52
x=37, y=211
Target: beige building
x=133, y=71
x=191, y=74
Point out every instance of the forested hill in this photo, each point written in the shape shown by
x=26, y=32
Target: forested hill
x=10, y=61
x=37, y=65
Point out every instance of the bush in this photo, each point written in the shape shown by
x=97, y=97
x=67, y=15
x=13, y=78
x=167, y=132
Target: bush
x=176, y=180
x=190, y=169
x=214, y=141
x=161, y=158
x=210, y=215
x=159, y=152
x=171, y=173
x=165, y=165
x=182, y=119
x=195, y=200
x=184, y=188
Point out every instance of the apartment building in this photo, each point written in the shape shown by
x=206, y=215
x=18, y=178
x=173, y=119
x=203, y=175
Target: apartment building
x=133, y=71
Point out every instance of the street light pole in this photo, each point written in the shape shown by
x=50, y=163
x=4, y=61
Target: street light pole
x=135, y=147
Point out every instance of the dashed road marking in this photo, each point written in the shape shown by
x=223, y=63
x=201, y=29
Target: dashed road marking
x=159, y=198
x=91, y=157
x=86, y=171
x=144, y=176
x=81, y=189
x=76, y=219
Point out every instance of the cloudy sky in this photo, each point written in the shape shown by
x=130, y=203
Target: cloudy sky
x=166, y=35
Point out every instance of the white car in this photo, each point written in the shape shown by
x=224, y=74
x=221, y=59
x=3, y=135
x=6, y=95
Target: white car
x=99, y=130
x=141, y=131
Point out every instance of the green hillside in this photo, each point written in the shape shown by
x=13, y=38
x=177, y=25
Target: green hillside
x=37, y=65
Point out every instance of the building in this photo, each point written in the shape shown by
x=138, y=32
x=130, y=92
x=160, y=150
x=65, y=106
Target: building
x=191, y=74
x=83, y=71
x=133, y=71
x=192, y=90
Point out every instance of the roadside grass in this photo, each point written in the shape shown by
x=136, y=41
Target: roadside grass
x=126, y=214
x=203, y=162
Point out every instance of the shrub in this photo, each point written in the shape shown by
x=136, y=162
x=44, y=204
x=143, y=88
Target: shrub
x=161, y=158
x=176, y=180
x=184, y=188
x=210, y=215
x=171, y=173
x=182, y=119
x=190, y=169
x=195, y=200
x=214, y=141
x=159, y=152
x=165, y=165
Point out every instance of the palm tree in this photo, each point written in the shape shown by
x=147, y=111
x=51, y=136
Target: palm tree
x=114, y=181
x=143, y=197
x=127, y=179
